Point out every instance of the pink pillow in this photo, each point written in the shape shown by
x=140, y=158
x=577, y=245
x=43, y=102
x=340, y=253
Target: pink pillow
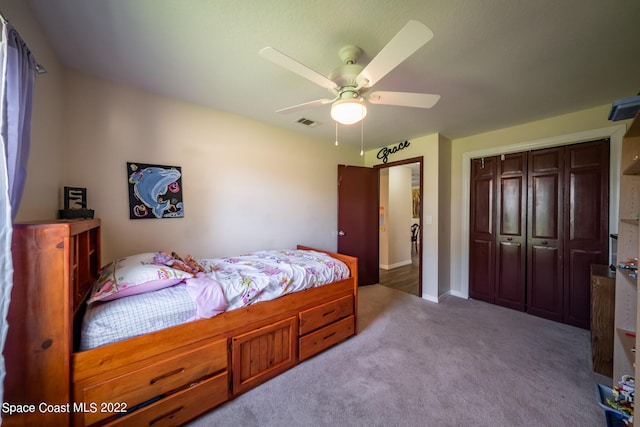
x=134, y=275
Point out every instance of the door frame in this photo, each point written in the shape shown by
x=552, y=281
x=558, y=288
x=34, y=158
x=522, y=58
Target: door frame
x=420, y=161
x=614, y=133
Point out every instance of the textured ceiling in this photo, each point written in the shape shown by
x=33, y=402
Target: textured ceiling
x=495, y=63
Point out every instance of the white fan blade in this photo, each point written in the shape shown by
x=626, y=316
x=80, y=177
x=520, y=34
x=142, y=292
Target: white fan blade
x=291, y=64
x=306, y=105
x=411, y=37
x=404, y=99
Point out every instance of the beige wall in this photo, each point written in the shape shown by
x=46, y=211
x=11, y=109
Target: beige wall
x=444, y=215
x=427, y=147
x=246, y=186
x=383, y=200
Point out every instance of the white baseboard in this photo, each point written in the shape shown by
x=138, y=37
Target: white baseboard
x=396, y=265
x=430, y=298
x=445, y=295
x=459, y=294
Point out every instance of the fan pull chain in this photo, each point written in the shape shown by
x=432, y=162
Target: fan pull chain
x=336, y=134
x=362, y=137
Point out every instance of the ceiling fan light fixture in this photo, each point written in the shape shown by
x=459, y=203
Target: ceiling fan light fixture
x=348, y=111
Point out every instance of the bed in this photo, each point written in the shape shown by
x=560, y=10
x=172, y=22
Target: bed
x=174, y=372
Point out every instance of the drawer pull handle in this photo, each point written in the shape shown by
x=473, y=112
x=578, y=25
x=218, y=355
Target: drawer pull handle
x=329, y=336
x=328, y=313
x=167, y=415
x=167, y=375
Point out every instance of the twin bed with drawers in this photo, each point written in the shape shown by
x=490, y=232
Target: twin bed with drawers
x=155, y=339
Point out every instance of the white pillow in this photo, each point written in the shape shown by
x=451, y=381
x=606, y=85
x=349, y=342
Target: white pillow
x=133, y=275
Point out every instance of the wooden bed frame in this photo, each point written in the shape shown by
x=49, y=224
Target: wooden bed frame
x=167, y=377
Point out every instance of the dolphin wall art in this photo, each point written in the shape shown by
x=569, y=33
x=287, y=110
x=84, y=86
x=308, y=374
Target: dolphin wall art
x=154, y=191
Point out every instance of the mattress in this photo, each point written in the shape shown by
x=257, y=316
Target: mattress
x=244, y=280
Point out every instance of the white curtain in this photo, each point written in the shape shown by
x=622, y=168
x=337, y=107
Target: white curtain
x=17, y=79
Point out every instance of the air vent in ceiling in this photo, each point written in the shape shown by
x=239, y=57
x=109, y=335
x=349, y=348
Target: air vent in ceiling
x=308, y=122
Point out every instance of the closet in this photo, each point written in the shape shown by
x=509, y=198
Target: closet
x=538, y=220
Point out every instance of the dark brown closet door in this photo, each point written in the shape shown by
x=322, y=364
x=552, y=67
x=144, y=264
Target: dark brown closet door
x=482, y=229
x=586, y=221
x=511, y=230
x=545, y=244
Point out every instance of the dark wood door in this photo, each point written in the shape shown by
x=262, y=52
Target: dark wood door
x=586, y=220
x=358, y=219
x=511, y=231
x=538, y=220
x=545, y=233
x=482, y=229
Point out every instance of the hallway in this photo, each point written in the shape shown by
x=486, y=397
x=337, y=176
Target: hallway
x=403, y=278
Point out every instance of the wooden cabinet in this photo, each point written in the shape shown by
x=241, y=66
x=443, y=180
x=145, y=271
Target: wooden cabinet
x=263, y=353
x=603, y=288
x=66, y=256
x=627, y=321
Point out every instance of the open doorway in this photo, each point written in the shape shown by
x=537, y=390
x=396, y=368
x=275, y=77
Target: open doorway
x=400, y=198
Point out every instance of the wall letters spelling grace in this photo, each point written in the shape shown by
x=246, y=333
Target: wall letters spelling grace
x=383, y=154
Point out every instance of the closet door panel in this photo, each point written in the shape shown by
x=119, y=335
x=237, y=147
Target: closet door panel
x=545, y=207
x=510, y=286
x=545, y=236
x=511, y=228
x=586, y=221
x=544, y=297
x=482, y=230
x=481, y=284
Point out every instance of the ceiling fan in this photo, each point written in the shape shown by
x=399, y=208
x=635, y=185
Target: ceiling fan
x=350, y=83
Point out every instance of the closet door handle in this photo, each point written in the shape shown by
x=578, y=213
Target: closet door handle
x=544, y=242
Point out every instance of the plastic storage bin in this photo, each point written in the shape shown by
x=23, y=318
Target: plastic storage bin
x=614, y=417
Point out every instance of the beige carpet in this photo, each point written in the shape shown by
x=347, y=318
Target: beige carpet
x=416, y=363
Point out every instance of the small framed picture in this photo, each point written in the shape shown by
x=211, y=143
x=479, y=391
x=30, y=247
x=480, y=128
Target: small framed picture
x=155, y=191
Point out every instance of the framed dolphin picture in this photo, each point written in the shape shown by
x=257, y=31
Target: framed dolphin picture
x=154, y=191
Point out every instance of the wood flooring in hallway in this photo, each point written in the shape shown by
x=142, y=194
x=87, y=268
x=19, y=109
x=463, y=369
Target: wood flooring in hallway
x=403, y=278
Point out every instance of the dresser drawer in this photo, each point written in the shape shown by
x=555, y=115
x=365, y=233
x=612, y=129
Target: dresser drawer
x=317, y=317
x=152, y=380
x=180, y=407
x=313, y=343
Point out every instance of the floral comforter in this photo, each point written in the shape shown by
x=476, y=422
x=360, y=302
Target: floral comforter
x=243, y=280
x=266, y=275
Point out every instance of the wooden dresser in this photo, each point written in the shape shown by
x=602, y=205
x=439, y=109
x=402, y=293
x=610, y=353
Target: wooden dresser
x=39, y=341
x=603, y=290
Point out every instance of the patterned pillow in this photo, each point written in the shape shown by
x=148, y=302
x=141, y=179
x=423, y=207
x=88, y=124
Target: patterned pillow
x=133, y=275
